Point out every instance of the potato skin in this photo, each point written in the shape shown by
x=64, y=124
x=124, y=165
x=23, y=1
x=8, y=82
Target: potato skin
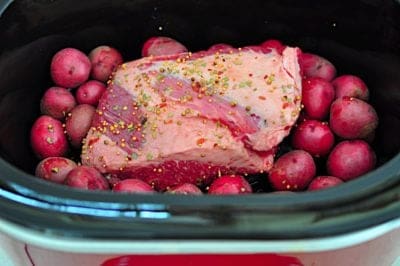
x=133, y=185
x=230, y=185
x=160, y=45
x=313, y=65
x=352, y=118
x=350, y=159
x=324, y=182
x=220, y=47
x=317, y=97
x=185, y=189
x=70, y=68
x=292, y=171
x=57, y=102
x=352, y=86
x=313, y=136
x=104, y=60
x=90, y=92
x=86, y=177
x=274, y=44
x=54, y=169
x=47, y=138
x=78, y=123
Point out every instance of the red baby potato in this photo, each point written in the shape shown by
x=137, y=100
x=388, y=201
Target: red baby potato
x=314, y=137
x=48, y=138
x=156, y=46
x=230, y=184
x=323, y=182
x=274, y=45
x=54, y=169
x=350, y=159
x=57, y=102
x=352, y=86
x=220, y=47
x=104, y=60
x=292, y=171
x=86, y=177
x=316, y=66
x=352, y=118
x=70, y=68
x=78, y=123
x=133, y=186
x=90, y=92
x=317, y=96
x=185, y=189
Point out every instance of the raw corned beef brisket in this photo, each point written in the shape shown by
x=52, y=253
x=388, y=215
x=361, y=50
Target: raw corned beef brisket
x=188, y=118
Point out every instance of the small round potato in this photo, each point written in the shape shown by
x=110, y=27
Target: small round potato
x=78, y=123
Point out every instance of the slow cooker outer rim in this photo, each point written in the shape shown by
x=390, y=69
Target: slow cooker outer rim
x=240, y=246
x=215, y=222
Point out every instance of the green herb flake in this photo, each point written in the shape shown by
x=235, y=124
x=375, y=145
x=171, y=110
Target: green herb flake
x=146, y=97
x=149, y=156
x=160, y=77
x=130, y=128
x=134, y=155
x=117, y=82
x=246, y=83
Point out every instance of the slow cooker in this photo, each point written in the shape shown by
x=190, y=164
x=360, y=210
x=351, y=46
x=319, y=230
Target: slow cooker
x=41, y=223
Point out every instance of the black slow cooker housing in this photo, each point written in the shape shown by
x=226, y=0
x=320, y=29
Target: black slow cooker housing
x=359, y=37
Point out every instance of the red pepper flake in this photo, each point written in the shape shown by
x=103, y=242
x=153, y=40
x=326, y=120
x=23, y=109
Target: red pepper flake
x=196, y=86
x=250, y=74
x=93, y=141
x=200, y=141
x=285, y=105
x=262, y=97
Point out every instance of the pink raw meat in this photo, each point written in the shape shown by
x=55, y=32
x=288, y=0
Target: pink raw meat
x=188, y=118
